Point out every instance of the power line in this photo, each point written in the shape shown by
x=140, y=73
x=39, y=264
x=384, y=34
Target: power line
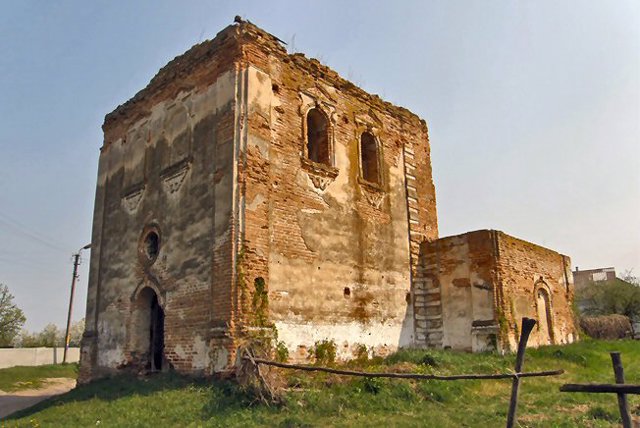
x=18, y=228
x=34, y=254
x=33, y=261
x=25, y=262
x=31, y=236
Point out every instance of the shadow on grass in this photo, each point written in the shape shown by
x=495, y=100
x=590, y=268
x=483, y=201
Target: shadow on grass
x=222, y=396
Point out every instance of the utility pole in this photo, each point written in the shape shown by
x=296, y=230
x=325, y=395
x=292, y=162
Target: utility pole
x=67, y=336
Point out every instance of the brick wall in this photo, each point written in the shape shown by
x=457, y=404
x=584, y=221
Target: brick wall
x=480, y=284
x=336, y=252
x=525, y=268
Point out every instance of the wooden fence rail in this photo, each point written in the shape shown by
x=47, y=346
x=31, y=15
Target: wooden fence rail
x=527, y=327
x=414, y=376
x=600, y=388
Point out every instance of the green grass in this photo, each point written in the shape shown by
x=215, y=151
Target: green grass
x=25, y=377
x=318, y=399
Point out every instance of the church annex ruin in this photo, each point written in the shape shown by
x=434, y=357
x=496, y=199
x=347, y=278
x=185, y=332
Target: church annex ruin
x=246, y=188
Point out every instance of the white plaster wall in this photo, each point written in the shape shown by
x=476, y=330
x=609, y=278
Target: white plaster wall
x=11, y=357
x=457, y=309
x=196, y=104
x=466, y=297
x=380, y=338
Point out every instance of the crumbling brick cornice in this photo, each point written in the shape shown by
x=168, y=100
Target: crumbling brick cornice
x=322, y=72
x=189, y=70
x=181, y=73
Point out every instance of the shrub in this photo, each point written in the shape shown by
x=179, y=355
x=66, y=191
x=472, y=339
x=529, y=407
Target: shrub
x=415, y=356
x=606, y=326
x=324, y=352
x=372, y=384
x=575, y=357
x=282, y=352
x=361, y=353
x=428, y=360
x=602, y=413
x=294, y=422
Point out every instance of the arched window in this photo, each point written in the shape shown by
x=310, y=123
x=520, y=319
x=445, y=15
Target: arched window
x=149, y=245
x=545, y=320
x=369, y=158
x=318, y=137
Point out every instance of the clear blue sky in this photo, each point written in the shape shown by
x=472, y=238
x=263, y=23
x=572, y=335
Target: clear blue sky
x=533, y=110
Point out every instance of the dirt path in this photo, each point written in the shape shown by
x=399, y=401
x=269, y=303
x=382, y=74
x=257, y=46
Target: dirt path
x=13, y=401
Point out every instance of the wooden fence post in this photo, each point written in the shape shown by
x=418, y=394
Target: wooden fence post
x=618, y=370
x=619, y=388
x=525, y=331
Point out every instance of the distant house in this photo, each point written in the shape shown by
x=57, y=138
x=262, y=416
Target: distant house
x=581, y=278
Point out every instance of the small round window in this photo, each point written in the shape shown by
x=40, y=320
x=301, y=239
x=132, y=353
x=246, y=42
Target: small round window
x=151, y=245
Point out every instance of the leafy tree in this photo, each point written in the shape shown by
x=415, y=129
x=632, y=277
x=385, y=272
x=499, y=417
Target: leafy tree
x=11, y=317
x=76, y=331
x=25, y=340
x=619, y=296
x=51, y=336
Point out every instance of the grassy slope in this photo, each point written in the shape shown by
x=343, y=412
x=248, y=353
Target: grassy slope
x=23, y=377
x=327, y=400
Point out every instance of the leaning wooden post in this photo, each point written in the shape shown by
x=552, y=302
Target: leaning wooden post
x=622, y=398
x=525, y=331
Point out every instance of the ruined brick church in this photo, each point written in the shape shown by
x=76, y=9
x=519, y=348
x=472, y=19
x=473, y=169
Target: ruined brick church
x=247, y=188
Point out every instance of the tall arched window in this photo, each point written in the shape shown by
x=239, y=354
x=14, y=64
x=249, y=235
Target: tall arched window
x=318, y=137
x=369, y=158
x=543, y=306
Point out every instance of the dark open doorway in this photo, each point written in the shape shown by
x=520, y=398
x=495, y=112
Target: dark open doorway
x=156, y=335
x=147, y=330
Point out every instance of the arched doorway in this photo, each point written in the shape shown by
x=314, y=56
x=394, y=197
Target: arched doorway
x=545, y=327
x=148, y=330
